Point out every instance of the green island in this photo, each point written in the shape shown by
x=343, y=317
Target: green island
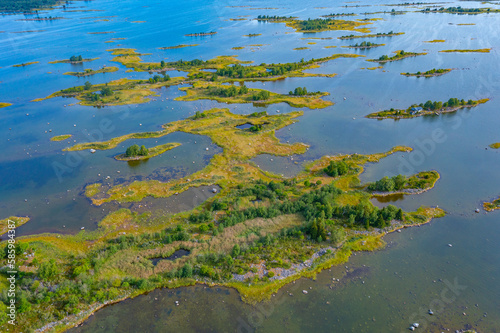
x=312, y=221
x=135, y=153
x=495, y=145
x=429, y=108
x=379, y=34
x=238, y=48
x=4, y=105
x=300, y=48
x=228, y=69
x=429, y=73
x=491, y=206
x=180, y=46
x=459, y=10
x=364, y=45
x=400, y=54
x=339, y=14
x=61, y=137
x=13, y=221
x=274, y=18
x=252, y=35
x=435, y=41
x=73, y=60
x=201, y=34
x=232, y=94
x=468, y=51
x=322, y=24
x=89, y=71
x=26, y=64
x=415, y=184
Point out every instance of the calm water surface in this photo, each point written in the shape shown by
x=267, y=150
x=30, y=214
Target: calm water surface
x=378, y=292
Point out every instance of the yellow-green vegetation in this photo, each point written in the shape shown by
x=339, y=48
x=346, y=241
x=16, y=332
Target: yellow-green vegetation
x=238, y=48
x=429, y=73
x=11, y=223
x=252, y=35
x=26, y=64
x=415, y=184
x=301, y=48
x=466, y=24
x=427, y=108
x=400, y=54
x=232, y=94
x=380, y=34
x=435, y=41
x=101, y=32
x=330, y=46
x=177, y=46
x=92, y=189
x=88, y=71
x=495, y=145
x=118, y=92
x=468, y=51
x=67, y=61
x=4, y=105
x=61, y=137
x=152, y=152
x=491, y=206
x=228, y=69
x=322, y=24
x=317, y=213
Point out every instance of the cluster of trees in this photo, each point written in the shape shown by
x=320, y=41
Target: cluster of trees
x=134, y=151
x=273, y=18
x=158, y=78
x=430, y=72
x=262, y=95
x=319, y=203
x=198, y=115
x=364, y=44
x=302, y=91
x=75, y=58
x=378, y=34
x=258, y=114
x=336, y=168
x=458, y=10
x=452, y=102
x=339, y=14
x=231, y=91
x=315, y=24
x=236, y=70
x=255, y=128
x=186, y=64
x=386, y=184
x=399, y=54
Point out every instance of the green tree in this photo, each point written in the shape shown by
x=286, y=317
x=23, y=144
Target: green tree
x=143, y=151
x=236, y=251
x=48, y=270
x=87, y=85
x=132, y=151
x=187, y=271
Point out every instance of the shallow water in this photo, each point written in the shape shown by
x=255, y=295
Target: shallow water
x=398, y=280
